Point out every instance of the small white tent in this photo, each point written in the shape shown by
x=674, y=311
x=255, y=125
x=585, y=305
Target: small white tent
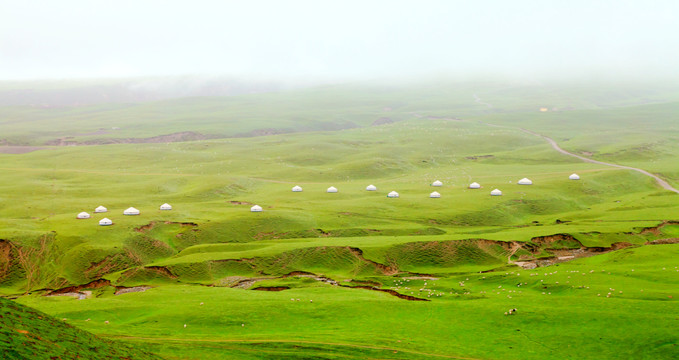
x=525, y=181
x=371, y=188
x=332, y=189
x=392, y=194
x=474, y=185
x=296, y=189
x=83, y=215
x=131, y=211
x=435, y=195
x=256, y=208
x=437, y=183
x=166, y=206
x=105, y=222
x=574, y=177
x=496, y=192
x=100, y=209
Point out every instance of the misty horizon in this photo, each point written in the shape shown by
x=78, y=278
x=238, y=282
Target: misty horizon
x=306, y=41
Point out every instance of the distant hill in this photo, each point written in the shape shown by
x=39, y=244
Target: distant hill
x=74, y=93
x=26, y=333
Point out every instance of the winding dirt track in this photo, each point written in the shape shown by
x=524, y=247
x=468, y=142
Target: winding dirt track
x=245, y=341
x=665, y=185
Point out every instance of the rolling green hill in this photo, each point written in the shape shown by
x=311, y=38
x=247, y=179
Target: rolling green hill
x=30, y=334
x=404, y=278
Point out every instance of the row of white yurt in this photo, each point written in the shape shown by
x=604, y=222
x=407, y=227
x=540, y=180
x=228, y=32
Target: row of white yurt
x=371, y=187
x=437, y=183
x=128, y=211
x=394, y=194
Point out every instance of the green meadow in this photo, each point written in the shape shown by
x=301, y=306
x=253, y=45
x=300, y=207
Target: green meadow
x=352, y=274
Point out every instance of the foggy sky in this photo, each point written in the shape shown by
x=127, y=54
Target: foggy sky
x=337, y=39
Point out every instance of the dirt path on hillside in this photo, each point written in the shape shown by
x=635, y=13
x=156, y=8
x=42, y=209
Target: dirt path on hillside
x=479, y=101
x=255, y=341
x=664, y=184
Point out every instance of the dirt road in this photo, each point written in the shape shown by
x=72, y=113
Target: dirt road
x=664, y=184
x=661, y=182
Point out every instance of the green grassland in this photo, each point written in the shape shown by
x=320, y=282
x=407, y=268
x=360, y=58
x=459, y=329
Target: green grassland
x=29, y=334
x=342, y=254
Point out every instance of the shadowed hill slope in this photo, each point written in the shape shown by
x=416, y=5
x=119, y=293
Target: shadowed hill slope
x=26, y=333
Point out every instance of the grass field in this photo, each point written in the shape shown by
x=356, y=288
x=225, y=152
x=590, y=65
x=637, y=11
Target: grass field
x=29, y=334
x=353, y=258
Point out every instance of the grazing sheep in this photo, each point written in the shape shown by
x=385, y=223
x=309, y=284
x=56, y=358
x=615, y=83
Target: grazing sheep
x=511, y=312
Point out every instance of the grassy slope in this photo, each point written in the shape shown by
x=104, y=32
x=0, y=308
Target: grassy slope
x=202, y=179
x=30, y=334
x=326, y=108
x=41, y=192
x=563, y=312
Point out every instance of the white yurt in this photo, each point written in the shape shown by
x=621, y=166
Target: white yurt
x=474, y=185
x=100, y=209
x=437, y=183
x=105, y=222
x=496, y=192
x=332, y=189
x=256, y=208
x=574, y=177
x=392, y=194
x=166, y=206
x=83, y=215
x=525, y=181
x=296, y=189
x=131, y=211
x=371, y=187
x=435, y=195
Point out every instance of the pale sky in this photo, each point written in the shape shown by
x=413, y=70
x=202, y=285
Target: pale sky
x=336, y=39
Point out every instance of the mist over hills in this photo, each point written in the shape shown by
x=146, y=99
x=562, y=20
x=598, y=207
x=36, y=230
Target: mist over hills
x=75, y=93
